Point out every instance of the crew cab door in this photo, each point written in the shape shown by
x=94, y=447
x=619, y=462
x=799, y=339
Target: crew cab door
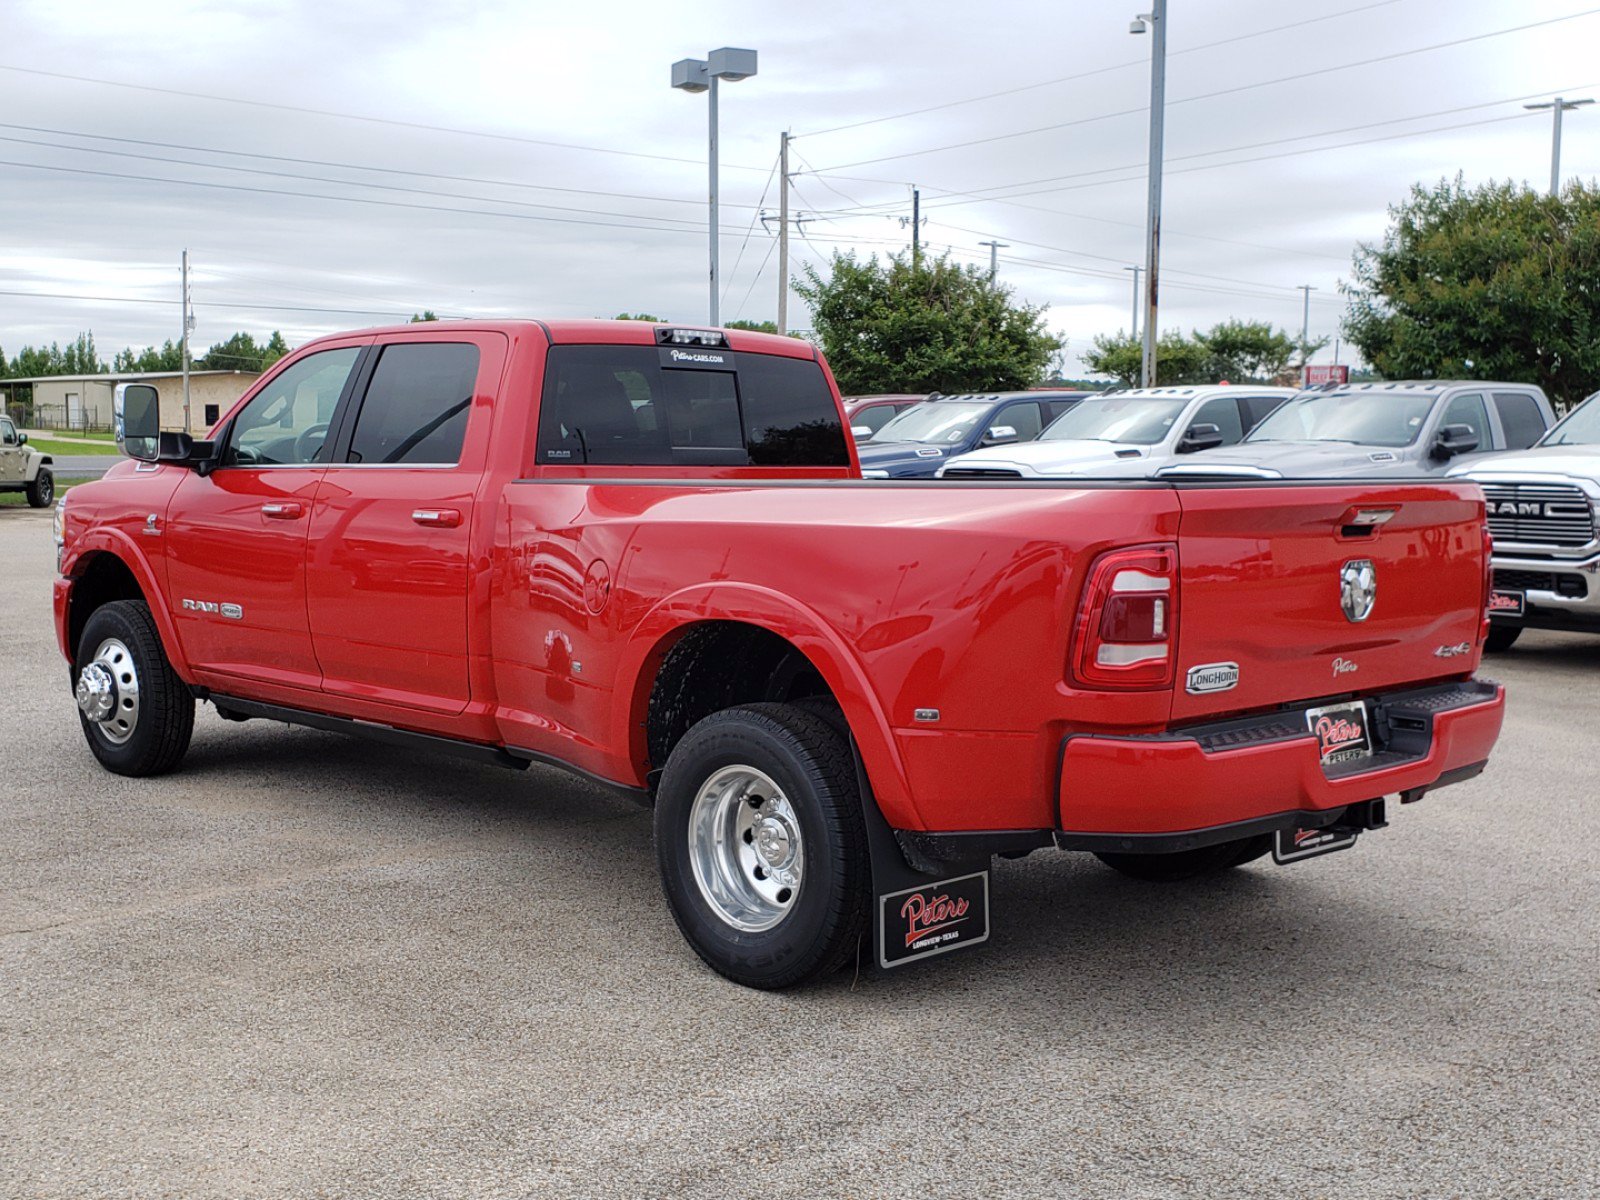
x=391, y=533
x=235, y=538
x=13, y=458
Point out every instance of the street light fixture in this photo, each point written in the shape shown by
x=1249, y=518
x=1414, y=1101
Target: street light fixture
x=1156, y=18
x=701, y=75
x=1558, y=106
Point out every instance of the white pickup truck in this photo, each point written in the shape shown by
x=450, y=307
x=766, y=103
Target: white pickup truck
x=1544, y=513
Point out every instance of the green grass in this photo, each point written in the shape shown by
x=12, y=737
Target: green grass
x=50, y=446
x=105, y=436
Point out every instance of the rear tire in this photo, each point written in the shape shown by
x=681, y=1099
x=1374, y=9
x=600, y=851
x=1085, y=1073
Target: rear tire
x=1501, y=638
x=42, y=490
x=762, y=846
x=1189, y=864
x=137, y=715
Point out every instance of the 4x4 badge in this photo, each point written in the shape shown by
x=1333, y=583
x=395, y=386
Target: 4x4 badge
x=1358, y=588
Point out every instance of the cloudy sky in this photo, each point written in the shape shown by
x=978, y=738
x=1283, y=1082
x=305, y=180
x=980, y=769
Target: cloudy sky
x=336, y=165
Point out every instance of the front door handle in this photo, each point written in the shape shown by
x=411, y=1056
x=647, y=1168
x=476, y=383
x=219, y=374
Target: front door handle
x=441, y=518
x=282, y=510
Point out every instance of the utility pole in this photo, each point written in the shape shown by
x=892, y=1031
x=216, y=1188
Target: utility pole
x=994, y=256
x=916, y=226
x=1557, y=106
x=1133, y=330
x=1305, y=324
x=1156, y=21
x=783, y=233
x=188, y=324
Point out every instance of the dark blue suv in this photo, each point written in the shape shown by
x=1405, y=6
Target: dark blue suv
x=918, y=441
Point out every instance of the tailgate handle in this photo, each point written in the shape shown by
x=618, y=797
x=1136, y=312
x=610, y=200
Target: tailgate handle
x=282, y=510
x=443, y=518
x=1364, y=522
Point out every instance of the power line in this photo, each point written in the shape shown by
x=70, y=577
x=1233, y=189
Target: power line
x=357, y=183
x=217, y=303
x=1298, y=77
x=346, y=116
x=1123, y=66
x=319, y=162
x=239, y=187
x=979, y=194
x=749, y=229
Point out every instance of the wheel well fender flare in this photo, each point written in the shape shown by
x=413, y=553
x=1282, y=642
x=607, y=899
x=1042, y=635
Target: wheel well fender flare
x=749, y=604
x=114, y=543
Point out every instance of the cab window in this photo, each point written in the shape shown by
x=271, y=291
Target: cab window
x=416, y=407
x=8, y=432
x=286, y=423
x=1468, y=410
x=1223, y=412
x=1024, y=418
x=1520, y=419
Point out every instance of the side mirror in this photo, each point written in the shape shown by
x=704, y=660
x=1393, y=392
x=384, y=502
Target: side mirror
x=860, y=432
x=136, y=416
x=1000, y=435
x=1454, y=440
x=22, y=439
x=1200, y=437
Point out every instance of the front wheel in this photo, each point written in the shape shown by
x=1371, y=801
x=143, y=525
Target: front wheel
x=1501, y=638
x=42, y=490
x=136, y=713
x=762, y=846
x=1189, y=864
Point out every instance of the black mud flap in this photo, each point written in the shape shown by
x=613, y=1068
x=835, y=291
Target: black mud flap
x=918, y=914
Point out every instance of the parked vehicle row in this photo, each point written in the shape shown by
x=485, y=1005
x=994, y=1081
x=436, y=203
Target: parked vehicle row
x=646, y=555
x=920, y=440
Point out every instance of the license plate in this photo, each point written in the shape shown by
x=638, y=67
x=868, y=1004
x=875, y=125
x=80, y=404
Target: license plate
x=1341, y=731
x=1505, y=604
x=934, y=919
x=1291, y=845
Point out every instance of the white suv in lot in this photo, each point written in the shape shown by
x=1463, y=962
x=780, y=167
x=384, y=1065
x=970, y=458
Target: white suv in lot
x=1132, y=433
x=1544, y=513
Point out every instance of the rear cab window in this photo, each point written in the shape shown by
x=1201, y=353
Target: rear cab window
x=1520, y=419
x=653, y=406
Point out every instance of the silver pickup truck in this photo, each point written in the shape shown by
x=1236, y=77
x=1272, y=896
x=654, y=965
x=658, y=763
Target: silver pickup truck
x=1544, y=513
x=1423, y=427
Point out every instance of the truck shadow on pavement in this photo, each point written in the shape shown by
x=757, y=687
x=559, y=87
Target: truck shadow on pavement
x=1069, y=934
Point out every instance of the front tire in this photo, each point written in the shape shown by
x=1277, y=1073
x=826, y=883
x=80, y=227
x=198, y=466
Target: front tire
x=1189, y=864
x=42, y=490
x=137, y=715
x=1501, y=638
x=762, y=846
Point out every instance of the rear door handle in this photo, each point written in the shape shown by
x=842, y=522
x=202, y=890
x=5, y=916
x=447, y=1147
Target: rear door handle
x=282, y=510
x=443, y=518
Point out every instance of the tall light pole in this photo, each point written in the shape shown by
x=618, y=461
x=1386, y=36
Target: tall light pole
x=1305, y=323
x=994, y=256
x=1557, y=106
x=699, y=75
x=1155, y=21
x=1133, y=330
x=188, y=328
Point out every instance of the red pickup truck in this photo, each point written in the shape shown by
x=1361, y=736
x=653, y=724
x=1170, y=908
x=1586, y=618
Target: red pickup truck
x=644, y=554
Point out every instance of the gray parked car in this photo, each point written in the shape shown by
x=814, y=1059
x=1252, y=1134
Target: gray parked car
x=1544, y=513
x=1420, y=427
x=24, y=469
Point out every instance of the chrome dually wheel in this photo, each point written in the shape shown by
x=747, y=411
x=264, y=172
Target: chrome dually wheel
x=746, y=848
x=108, y=691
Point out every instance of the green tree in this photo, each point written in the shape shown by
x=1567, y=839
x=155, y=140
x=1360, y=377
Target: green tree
x=932, y=325
x=169, y=357
x=275, y=349
x=426, y=314
x=37, y=360
x=1179, y=358
x=625, y=316
x=753, y=326
x=1493, y=282
x=1251, y=351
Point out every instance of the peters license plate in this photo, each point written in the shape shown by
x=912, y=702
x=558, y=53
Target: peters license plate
x=1341, y=731
x=1288, y=845
x=1505, y=604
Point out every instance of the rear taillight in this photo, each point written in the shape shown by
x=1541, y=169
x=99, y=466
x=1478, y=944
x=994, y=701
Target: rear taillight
x=1126, y=632
x=1488, y=580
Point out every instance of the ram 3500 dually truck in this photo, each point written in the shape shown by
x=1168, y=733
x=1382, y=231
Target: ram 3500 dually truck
x=645, y=554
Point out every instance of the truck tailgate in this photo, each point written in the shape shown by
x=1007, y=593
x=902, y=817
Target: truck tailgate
x=1260, y=590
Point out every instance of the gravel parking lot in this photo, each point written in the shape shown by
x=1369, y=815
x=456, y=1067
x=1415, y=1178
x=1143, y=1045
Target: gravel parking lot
x=307, y=966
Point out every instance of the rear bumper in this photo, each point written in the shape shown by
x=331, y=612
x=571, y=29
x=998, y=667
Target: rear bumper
x=1267, y=769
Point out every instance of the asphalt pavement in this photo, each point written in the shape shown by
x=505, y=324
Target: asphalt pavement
x=83, y=466
x=309, y=966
